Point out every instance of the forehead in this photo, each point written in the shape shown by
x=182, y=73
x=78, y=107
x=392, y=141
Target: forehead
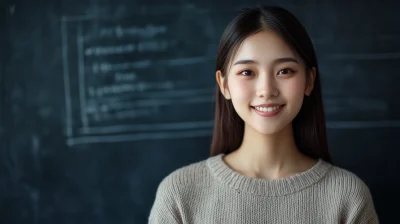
x=264, y=46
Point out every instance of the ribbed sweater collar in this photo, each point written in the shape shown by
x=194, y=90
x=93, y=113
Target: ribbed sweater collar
x=241, y=183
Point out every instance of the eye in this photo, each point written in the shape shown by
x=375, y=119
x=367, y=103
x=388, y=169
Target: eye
x=246, y=73
x=285, y=71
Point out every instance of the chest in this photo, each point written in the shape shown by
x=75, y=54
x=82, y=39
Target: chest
x=239, y=207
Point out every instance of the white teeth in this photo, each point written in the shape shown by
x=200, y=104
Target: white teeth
x=267, y=109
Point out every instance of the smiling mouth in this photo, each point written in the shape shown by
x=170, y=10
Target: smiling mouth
x=268, y=111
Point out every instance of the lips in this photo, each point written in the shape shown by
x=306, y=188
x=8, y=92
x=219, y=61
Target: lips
x=268, y=110
x=267, y=105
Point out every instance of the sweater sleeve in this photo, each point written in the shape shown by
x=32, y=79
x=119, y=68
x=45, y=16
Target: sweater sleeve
x=361, y=206
x=165, y=208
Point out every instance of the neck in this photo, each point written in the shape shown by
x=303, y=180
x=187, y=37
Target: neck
x=270, y=156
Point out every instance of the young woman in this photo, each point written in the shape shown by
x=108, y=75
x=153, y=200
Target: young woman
x=269, y=159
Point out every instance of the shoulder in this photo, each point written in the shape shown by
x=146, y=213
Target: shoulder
x=187, y=176
x=169, y=199
x=357, y=205
x=353, y=192
x=346, y=181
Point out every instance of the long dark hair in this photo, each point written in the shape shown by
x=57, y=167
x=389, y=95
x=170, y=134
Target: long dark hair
x=309, y=125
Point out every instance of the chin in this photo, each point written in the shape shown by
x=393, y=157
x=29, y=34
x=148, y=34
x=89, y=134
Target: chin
x=267, y=131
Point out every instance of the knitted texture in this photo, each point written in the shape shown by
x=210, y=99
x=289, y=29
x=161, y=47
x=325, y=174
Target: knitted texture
x=209, y=192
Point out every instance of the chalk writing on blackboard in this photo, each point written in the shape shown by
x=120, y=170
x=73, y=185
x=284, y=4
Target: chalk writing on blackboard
x=127, y=82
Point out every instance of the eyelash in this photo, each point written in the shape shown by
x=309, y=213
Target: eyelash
x=290, y=70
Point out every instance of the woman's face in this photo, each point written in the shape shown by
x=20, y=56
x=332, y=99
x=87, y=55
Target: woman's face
x=266, y=82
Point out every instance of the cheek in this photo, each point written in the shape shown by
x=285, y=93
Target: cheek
x=295, y=90
x=240, y=90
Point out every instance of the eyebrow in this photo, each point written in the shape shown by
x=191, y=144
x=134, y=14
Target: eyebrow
x=276, y=61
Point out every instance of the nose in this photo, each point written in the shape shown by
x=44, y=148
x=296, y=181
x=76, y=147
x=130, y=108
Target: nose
x=266, y=86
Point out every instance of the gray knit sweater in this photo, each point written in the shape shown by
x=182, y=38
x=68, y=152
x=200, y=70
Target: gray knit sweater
x=209, y=192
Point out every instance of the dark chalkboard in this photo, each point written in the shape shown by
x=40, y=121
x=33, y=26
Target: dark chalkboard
x=101, y=100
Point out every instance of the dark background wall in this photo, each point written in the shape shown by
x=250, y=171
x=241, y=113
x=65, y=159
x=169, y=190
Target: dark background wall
x=102, y=99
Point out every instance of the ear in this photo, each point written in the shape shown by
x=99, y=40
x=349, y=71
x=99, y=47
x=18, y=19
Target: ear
x=310, y=81
x=220, y=81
